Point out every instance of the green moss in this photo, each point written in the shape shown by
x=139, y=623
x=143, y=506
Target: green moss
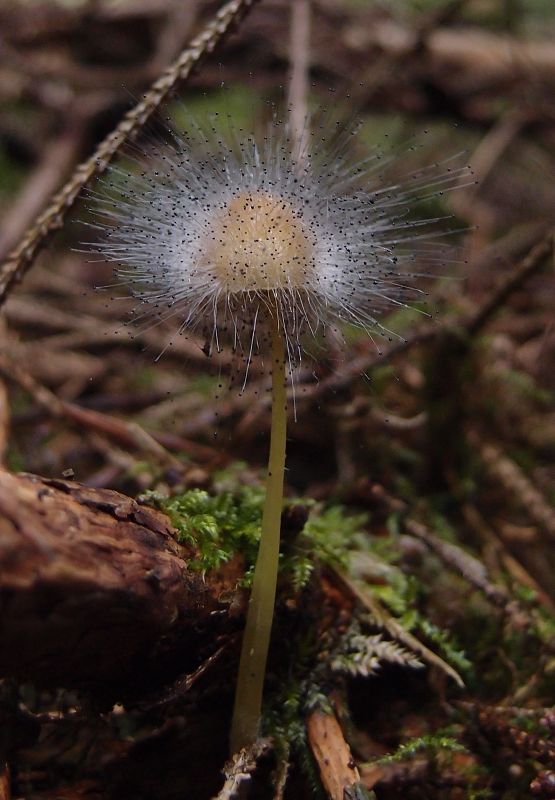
x=432, y=744
x=218, y=525
x=229, y=522
x=291, y=698
x=325, y=539
x=404, y=595
x=444, y=641
x=545, y=625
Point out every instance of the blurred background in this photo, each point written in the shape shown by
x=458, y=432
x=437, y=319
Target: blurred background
x=475, y=76
x=459, y=423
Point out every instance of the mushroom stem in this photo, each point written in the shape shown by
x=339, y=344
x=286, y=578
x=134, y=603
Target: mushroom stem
x=256, y=638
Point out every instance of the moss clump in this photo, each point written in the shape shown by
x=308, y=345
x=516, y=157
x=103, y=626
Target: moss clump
x=221, y=525
x=326, y=538
x=432, y=744
x=218, y=526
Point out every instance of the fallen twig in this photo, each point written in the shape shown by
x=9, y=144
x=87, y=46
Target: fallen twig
x=4, y=421
x=240, y=768
x=517, y=484
x=128, y=433
x=299, y=56
x=524, y=270
x=453, y=556
x=512, y=566
x=383, y=619
x=337, y=767
x=52, y=219
x=530, y=264
x=5, y=782
x=57, y=159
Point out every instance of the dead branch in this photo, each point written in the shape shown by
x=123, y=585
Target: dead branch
x=466, y=59
x=299, y=56
x=180, y=18
x=129, y=433
x=5, y=783
x=463, y=61
x=52, y=219
x=80, y=331
x=494, y=544
x=337, y=768
x=240, y=768
x=530, y=264
x=95, y=592
x=454, y=557
x=383, y=619
x=516, y=483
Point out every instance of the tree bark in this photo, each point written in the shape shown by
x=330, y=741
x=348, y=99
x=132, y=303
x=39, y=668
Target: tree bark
x=95, y=593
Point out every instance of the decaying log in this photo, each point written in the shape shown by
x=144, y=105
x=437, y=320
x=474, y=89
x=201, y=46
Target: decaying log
x=95, y=593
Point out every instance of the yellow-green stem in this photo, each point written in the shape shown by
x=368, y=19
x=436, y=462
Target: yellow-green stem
x=256, y=638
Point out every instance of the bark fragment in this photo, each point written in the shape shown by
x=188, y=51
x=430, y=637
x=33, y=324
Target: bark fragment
x=95, y=592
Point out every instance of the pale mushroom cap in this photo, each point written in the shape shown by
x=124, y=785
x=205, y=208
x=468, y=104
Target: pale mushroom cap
x=259, y=243
x=220, y=233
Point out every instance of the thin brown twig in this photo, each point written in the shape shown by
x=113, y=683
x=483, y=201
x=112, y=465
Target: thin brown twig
x=359, y=365
x=453, y=556
x=52, y=219
x=5, y=782
x=4, y=421
x=79, y=331
x=129, y=432
x=180, y=18
x=530, y=264
x=182, y=685
x=514, y=568
x=280, y=774
x=305, y=391
x=381, y=617
x=299, y=50
x=442, y=15
x=525, y=269
x=469, y=203
x=516, y=483
x=467, y=565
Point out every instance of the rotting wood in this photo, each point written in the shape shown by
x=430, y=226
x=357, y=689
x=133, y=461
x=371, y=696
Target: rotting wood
x=240, y=768
x=338, y=770
x=95, y=592
x=5, y=793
